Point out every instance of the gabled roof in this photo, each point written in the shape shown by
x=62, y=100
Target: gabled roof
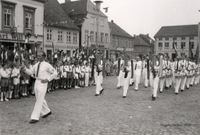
x=79, y=9
x=42, y=1
x=118, y=31
x=147, y=38
x=181, y=30
x=55, y=16
x=138, y=40
x=75, y=7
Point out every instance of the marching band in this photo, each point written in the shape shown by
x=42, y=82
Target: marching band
x=157, y=73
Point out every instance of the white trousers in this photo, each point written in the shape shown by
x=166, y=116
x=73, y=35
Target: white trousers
x=145, y=79
x=126, y=84
x=120, y=79
x=137, y=78
x=192, y=80
x=87, y=75
x=183, y=81
x=177, y=84
x=155, y=86
x=99, y=82
x=41, y=107
x=188, y=82
x=162, y=83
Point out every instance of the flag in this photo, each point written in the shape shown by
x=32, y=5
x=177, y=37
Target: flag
x=175, y=48
x=53, y=47
x=197, y=53
x=190, y=50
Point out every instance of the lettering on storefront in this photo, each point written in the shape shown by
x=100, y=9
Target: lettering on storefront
x=3, y=36
x=8, y=36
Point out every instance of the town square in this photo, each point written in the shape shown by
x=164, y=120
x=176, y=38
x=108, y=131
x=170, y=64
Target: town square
x=99, y=67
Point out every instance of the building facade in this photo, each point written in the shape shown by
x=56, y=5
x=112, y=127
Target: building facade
x=177, y=41
x=21, y=23
x=60, y=33
x=121, y=42
x=95, y=31
x=143, y=45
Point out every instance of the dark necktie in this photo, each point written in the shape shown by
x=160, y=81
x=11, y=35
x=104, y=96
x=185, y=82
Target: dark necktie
x=136, y=66
x=38, y=68
x=177, y=65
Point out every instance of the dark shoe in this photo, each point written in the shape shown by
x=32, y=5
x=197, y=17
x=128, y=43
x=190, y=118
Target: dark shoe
x=124, y=97
x=176, y=93
x=182, y=90
x=119, y=87
x=96, y=95
x=33, y=121
x=46, y=115
x=101, y=91
x=153, y=98
x=160, y=91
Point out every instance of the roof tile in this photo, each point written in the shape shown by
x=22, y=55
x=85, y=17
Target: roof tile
x=181, y=30
x=56, y=17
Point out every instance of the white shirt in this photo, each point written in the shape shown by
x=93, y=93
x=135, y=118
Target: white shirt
x=46, y=71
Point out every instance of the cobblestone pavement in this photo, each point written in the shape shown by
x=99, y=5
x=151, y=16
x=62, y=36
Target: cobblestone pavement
x=79, y=112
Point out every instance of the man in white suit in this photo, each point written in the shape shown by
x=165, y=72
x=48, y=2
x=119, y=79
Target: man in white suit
x=137, y=72
x=43, y=73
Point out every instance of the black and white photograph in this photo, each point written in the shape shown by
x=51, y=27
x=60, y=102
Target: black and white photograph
x=99, y=67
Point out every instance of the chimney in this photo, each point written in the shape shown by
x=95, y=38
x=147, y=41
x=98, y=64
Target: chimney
x=112, y=21
x=98, y=4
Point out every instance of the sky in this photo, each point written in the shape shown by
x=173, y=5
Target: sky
x=148, y=16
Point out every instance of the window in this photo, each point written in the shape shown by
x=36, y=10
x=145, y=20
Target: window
x=92, y=36
x=106, y=37
x=174, y=38
x=49, y=34
x=60, y=36
x=167, y=38
x=8, y=14
x=102, y=34
x=86, y=35
x=166, y=45
x=29, y=14
x=28, y=20
x=160, y=45
x=191, y=38
x=68, y=37
x=96, y=37
x=191, y=45
x=75, y=37
x=182, y=45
